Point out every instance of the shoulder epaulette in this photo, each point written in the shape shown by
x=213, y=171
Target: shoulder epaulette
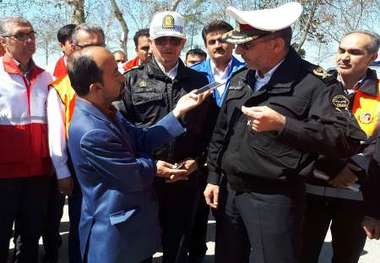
x=237, y=72
x=321, y=73
x=134, y=68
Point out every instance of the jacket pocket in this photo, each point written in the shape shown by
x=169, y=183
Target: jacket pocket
x=146, y=97
x=121, y=216
x=268, y=145
x=290, y=106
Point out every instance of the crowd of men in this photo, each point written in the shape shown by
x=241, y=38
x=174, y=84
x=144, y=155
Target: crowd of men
x=280, y=150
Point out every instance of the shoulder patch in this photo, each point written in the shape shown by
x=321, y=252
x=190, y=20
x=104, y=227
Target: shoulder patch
x=340, y=102
x=142, y=84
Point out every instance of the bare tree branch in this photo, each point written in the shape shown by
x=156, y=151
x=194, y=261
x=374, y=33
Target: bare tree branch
x=78, y=16
x=174, y=5
x=124, y=26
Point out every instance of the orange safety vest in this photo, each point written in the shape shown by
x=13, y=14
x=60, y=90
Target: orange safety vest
x=68, y=97
x=366, y=110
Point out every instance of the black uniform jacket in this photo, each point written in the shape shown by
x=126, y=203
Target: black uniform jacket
x=150, y=95
x=314, y=125
x=372, y=185
x=332, y=165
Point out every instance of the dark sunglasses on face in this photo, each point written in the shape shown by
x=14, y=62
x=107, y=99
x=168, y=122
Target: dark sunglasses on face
x=173, y=41
x=252, y=43
x=22, y=36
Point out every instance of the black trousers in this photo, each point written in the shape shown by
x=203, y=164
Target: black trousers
x=345, y=216
x=75, y=208
x=198, y=236
x=50, y=233
x=24, y=199
x=259, y=227
x=177, y=204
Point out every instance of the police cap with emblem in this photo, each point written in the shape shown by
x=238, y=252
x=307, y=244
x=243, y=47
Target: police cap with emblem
x=167, y=24
x=255, y=24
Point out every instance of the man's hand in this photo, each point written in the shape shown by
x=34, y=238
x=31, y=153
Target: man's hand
x=371, y=227
x=263, y=118
x=211, y=194
x=188, y=102
x=170, y=172
x=346, y=177
x=190, y=165
x=65, y=185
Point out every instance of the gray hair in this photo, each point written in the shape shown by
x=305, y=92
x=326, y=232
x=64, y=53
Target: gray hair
x=89, y=28
x=6, y=21
x=374, y=45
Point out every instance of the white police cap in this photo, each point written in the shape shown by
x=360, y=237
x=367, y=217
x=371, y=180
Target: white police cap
x=167, y=24
x=257, y=23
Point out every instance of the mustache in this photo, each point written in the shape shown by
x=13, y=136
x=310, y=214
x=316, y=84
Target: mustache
x=220, y=50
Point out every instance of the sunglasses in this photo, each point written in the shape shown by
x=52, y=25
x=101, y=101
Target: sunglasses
x=22, y=36
x=254, y=42
x=173, y=41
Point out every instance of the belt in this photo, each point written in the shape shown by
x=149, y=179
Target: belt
x=334, y=192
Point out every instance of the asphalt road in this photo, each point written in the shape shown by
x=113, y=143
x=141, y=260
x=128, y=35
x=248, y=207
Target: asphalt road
x=371, y=253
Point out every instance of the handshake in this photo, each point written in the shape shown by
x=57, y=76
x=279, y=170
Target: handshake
x=176, y=172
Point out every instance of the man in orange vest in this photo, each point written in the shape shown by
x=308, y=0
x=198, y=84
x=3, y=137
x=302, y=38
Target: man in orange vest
x=2, y=51
x=371, y=225
x=25, y=165
x=336, y=192
x=143, y=52
x=60, y=107
x=65, y=43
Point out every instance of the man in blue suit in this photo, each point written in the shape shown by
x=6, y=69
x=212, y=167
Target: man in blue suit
x=119, y=220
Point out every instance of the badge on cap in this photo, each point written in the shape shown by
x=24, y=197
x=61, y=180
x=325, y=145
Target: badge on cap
x=340, y=102
x=168, y=22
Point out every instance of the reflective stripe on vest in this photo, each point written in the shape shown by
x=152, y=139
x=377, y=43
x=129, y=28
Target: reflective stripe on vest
x=366, y=110
x=68, y=97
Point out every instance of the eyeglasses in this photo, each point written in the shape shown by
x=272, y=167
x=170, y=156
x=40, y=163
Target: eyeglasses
x=252, y=43
x=173, y=41
x=22, y=36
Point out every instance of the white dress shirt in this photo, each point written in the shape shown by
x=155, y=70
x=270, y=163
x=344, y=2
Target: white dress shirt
x=262, y=81
x=56, y=134
x=172, y=73
x=220, y=76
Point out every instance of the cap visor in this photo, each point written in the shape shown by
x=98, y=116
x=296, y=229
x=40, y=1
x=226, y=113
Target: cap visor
x=168, y=34
x=237, y=37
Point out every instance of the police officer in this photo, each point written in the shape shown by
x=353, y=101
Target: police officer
x=334, y=193
x=371, y=223
x=152, y=91
x=279, y=113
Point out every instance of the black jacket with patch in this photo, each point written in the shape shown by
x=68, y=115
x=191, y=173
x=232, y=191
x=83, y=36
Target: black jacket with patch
x=150, y=95
x=314, y=126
